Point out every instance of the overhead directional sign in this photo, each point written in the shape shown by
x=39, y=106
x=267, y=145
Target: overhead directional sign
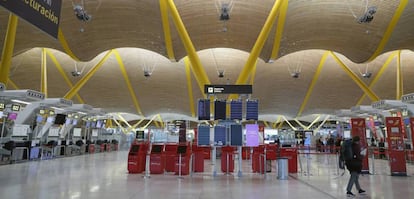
x=44, y=14
x=228, y=89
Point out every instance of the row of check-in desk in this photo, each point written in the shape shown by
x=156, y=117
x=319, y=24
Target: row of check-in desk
x=13, y=152
x=181, y=159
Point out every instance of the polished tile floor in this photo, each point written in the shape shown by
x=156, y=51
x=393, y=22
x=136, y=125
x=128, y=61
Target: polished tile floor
x=105, y=176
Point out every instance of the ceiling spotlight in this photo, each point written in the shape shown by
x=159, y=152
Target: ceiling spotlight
x=81, y=13
x=368, y=16
x=367, y=75
x=76, y=73
x=147, y=74
x=295, y=74
x=221, y=73
x=224, y=14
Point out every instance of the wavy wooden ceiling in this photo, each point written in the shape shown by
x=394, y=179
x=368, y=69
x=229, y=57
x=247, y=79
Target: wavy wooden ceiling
x=134, y=28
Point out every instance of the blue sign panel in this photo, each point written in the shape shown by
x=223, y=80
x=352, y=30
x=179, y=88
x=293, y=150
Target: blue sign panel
x=204, y=109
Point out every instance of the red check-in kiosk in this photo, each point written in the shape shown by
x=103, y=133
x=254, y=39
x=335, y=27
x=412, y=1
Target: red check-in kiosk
x=258, y=159
x=227, y=160
x=182, y=160
x=292, y=155
x=358, y=128
x=170, y=153
x=395, y=140
x=246, y=153
x=198, y=159
x=137, y=157
x=157, y=159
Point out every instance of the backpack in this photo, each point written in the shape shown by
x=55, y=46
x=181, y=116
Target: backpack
x=346, y=153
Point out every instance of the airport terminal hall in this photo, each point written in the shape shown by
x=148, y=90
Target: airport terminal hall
x=206, y=99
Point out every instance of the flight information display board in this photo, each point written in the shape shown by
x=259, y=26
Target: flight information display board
x=236, y=135
x=252, y=110
x=220, y=135
x=220, y=109
x=252, y=135
x=236, y=110
x=204, y=109
x=203, y=135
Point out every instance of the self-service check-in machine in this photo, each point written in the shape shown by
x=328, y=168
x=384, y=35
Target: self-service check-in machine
x=15, y=136
x=395, y=135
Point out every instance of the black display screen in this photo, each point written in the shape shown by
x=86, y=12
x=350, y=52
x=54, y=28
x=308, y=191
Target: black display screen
x=156, y=149
x=134, y=148
x=220, y=110
x=182, y=149
x=60, y=119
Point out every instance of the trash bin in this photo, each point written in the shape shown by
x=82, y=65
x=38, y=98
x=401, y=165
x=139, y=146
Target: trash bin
x=282, y=168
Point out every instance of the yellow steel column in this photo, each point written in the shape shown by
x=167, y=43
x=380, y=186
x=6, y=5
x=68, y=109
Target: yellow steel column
x=358, y=81
x=121, y=127
x=128, y=83
x=123, y=120
x=8, y=48
x=63, y=73
x=400, y=82
x=390, y=29
x=65, y=45
x=91, y=72
x=43, y=75
x=198, y=69
x=378, y=75
x=166, y=27
x=253, y=73
x=261, y=39
x=313, y=83
x=279, y=30
x=189, y=86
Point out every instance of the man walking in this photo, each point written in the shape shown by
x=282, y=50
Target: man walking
x=354, y=166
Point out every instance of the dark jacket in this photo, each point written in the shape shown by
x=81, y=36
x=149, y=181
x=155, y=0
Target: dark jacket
x=355, y=164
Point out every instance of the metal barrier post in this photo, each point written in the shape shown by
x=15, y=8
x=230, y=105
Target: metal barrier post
x=239, y=150
x=214, y=161
x=373, y=162
x=337, y=165
x=147, y=166
x=264, y=163
x=191, y=165
x=179, y=167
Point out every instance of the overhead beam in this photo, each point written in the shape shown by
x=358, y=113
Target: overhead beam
x=277, y=121
x=167, y=31
x=400, y=82
x=300, y=124
x=258, y=46
x=279, y=30
x=121, y=127
x=128, y=82
x=291, y=126
x=8, y=48
x=313, y=83
x=390, y=29
x=313, y=122
x=65, y=45
x=356, y=79
x=43, y=73
x=189, y=86
x=123, y=120
x=198, y=69
x=378, y=75
x=72, y=92
x=63, y=74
